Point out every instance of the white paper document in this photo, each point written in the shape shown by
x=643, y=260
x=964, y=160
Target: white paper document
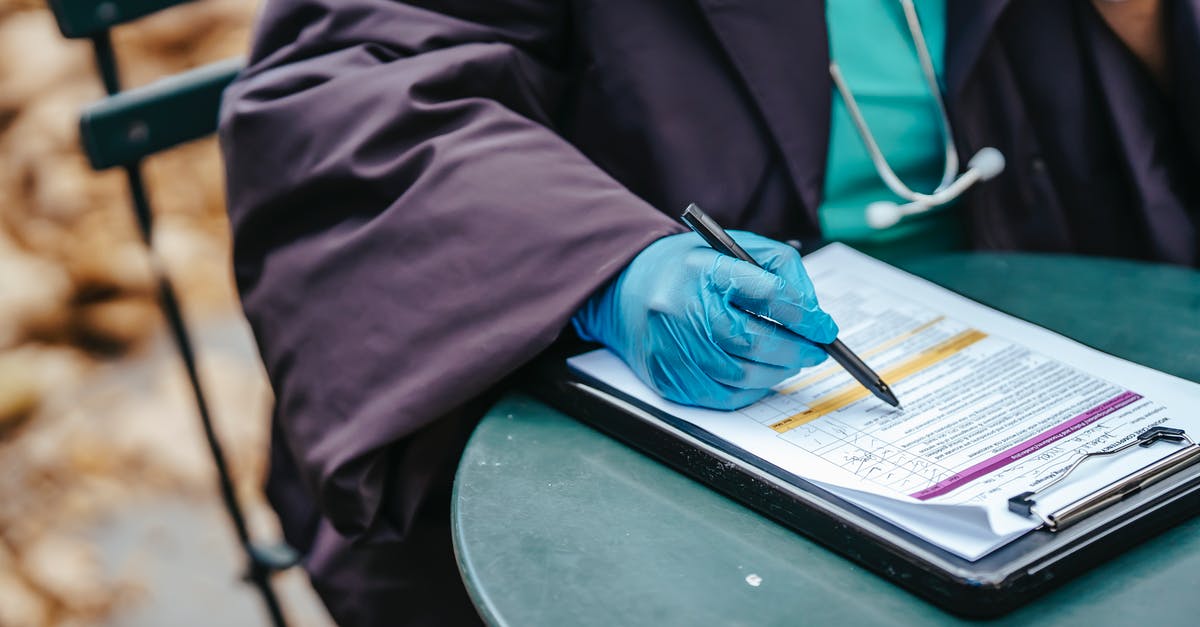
x=992, y=407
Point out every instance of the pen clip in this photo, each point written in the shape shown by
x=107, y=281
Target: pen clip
x=713, y=234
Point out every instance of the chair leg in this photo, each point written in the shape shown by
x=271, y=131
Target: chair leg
x=261, y=564
x=262, y=561
x=259, y=567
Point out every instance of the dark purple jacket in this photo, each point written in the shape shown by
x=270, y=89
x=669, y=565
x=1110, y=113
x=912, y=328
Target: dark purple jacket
x=423, y=193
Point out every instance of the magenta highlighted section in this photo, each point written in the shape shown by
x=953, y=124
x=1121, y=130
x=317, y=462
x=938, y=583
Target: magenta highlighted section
x=1027, y=447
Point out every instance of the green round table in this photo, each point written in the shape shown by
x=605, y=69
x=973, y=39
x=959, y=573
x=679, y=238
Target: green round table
x=557, y=524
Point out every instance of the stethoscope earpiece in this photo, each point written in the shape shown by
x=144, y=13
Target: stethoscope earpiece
x=985, y=165
x=989, y=162
x=883, y=214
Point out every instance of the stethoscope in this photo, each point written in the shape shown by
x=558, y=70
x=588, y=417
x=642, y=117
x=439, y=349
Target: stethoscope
x=984, y=165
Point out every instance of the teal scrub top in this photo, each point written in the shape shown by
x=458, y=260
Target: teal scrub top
x=872, y=45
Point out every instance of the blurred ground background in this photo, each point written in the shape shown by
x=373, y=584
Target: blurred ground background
x=108, y=509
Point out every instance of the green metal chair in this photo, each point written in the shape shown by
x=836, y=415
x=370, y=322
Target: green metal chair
x=122, y=130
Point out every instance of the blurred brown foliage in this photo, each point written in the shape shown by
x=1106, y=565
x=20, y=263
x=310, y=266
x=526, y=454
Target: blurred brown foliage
x=76, y=297
x=67, y=233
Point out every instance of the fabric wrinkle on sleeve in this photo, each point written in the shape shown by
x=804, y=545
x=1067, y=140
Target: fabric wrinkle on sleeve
x=408, y=228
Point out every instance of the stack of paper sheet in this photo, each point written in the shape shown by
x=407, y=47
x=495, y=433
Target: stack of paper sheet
x=992, y=407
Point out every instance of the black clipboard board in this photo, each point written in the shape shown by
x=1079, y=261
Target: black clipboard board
x=991, y=586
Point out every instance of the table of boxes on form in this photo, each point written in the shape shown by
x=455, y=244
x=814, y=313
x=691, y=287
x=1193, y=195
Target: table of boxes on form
x=982, y=416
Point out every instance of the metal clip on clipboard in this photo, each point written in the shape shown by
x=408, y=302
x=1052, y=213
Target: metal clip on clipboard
x=1025, y=505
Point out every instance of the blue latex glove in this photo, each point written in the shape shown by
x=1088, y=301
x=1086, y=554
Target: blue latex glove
x=675, y=315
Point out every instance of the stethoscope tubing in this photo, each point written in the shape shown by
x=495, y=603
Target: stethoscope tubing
x=952, y=185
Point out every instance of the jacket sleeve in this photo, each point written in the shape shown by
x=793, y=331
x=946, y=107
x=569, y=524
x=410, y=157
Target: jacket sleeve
x=408, y=227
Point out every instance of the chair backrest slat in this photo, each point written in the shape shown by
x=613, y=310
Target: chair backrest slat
x=129, y=126
x=84, y=18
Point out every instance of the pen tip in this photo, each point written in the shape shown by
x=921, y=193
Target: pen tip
x=885, y=393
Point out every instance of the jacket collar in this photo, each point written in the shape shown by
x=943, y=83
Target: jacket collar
x=969, y=25
x=781, y=50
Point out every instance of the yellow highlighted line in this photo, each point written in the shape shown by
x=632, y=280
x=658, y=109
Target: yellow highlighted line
x=832, y=369
x=855, y=392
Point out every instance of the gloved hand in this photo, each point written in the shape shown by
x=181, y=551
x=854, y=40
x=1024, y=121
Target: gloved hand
x=675, y=316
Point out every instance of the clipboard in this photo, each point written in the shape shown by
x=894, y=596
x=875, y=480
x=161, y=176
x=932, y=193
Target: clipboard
x=1070, y=540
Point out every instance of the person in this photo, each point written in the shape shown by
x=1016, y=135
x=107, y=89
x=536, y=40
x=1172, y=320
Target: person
x=426, y=195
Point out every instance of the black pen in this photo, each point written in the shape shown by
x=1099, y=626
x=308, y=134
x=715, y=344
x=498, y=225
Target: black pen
x=716, y=237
